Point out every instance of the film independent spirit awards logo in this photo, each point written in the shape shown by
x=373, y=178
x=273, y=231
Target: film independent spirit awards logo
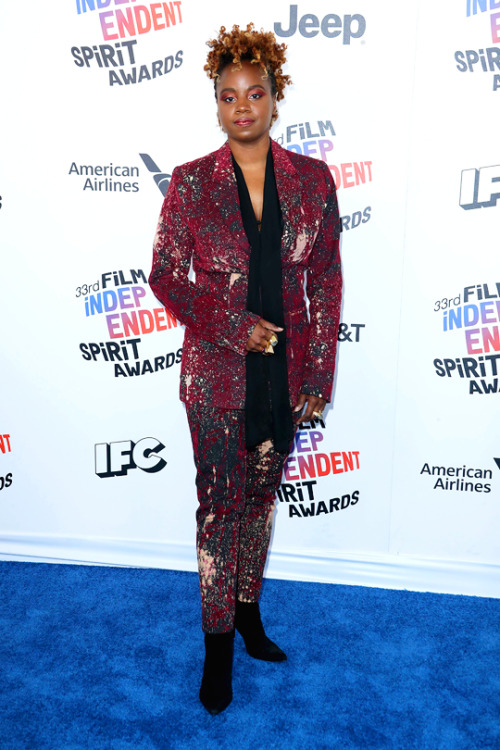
x=117, y=301
x=308, y=471
x=486, y=59
x=122, y=28
x=472, y=320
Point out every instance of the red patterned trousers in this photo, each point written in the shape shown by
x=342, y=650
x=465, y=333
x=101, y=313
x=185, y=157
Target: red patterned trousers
x=236, y=494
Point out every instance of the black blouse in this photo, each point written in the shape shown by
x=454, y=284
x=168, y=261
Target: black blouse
x=268, y=414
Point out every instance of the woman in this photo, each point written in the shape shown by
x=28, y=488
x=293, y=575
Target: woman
x=252, y=218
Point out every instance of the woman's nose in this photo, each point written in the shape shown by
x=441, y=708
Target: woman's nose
x=241, y=105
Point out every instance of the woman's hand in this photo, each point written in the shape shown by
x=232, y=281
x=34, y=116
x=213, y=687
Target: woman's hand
x=261, y=335
x=314, y=404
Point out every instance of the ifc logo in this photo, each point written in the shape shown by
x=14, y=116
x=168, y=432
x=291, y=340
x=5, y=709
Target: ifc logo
x=480, y=188
x=115, y=459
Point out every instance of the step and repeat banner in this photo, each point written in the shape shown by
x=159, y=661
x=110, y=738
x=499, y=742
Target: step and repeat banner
x=400, y=484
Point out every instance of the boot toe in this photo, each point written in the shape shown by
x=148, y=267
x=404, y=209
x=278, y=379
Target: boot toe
x=266, y=650
x=214, y=701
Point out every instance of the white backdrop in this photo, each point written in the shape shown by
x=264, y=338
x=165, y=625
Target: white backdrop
x=399, y=487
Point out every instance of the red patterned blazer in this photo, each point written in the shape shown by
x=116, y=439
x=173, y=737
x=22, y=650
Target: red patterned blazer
x=200, y=221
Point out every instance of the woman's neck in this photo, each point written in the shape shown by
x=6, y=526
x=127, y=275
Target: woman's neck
x=250, y=155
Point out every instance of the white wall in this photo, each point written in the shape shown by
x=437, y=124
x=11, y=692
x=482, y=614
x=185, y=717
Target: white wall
x=385, y=99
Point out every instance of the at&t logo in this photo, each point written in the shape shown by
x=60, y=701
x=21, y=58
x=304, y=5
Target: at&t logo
x=115, y=459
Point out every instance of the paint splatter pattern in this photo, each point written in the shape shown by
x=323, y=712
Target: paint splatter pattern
x=200, y=222
x=236, y=494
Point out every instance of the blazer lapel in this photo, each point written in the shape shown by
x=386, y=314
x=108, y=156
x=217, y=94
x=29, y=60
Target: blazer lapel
x=289, y=192
x=224, y=193
x=226, y=201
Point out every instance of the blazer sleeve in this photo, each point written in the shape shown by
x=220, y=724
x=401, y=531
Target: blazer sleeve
x=324, y=291
x=203, y=313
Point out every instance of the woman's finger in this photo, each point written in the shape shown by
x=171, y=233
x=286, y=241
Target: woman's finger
x=314, y=404
x=299, y=406
x=269, y=326
x=262, y=335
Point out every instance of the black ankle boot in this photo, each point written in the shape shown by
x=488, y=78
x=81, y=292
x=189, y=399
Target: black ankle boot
x=216, y=692
x=248, y=623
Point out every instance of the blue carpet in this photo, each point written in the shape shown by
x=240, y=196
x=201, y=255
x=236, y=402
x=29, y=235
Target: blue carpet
x=98, y=657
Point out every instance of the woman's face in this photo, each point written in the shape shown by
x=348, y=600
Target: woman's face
x=244, y=103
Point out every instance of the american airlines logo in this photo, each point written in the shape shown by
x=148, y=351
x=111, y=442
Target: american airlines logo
x=480, y=188
x=162, y=179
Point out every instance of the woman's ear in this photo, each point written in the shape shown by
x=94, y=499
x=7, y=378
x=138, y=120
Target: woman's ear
x=274, y=115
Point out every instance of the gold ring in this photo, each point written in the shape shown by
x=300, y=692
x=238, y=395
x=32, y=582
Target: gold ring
x=318, y=414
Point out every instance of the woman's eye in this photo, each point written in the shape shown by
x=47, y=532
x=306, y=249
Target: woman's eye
x=228, y=99
x=256, y=96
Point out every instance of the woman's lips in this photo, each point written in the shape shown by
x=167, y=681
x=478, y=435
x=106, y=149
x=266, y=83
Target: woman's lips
x=243, y=121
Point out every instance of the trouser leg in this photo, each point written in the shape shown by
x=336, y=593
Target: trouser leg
x=219, y=450
x=263, y=474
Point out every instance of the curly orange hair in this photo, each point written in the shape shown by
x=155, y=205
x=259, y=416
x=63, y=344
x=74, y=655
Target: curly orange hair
x=258, y=47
